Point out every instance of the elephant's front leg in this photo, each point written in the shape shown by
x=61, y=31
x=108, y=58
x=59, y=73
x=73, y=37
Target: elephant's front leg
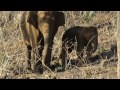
x=37, y=62
x=46, y=54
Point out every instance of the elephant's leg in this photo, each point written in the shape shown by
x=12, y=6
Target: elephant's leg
x=38, y=68
x=37, y=54
x=63, y=55
x=28, y=61
x=89, y=50
x=80, y=47
x=83, y=53
x=66, y=49
x=47, y=54
x=80, y=55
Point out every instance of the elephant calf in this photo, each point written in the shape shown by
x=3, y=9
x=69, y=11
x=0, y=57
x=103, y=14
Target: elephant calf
x=85, y=36
x=39, y=28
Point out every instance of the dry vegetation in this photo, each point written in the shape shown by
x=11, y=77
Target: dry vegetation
x=12, y=48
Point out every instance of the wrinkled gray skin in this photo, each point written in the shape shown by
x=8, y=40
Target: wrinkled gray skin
x=83, y=35
x=40, y=27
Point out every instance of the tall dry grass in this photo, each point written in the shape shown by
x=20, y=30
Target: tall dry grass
x=12, y=48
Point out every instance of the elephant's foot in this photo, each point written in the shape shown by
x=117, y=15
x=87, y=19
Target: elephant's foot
x=38, y=68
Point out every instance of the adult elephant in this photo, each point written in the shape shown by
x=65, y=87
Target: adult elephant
x=40, y=27
x=84, y=36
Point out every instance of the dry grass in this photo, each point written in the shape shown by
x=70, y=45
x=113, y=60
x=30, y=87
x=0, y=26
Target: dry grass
x=12, y=48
